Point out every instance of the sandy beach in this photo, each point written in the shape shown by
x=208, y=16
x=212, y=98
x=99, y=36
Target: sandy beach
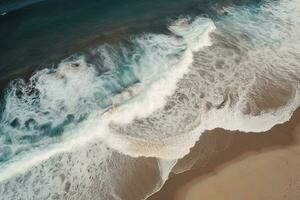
x=235, y=165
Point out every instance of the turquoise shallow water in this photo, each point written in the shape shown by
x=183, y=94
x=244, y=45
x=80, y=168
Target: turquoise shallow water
x=40, y=34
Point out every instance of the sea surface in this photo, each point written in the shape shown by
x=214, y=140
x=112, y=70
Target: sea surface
x=100, y=98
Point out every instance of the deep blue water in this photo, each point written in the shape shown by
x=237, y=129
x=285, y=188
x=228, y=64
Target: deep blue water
x=36, y=33
x=46, y=31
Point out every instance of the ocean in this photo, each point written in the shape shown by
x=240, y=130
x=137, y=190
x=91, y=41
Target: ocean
x=99, y=99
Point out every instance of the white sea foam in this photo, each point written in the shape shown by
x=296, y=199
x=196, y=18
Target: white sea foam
x=167, y=55
x=225, y=85
x=183, y=89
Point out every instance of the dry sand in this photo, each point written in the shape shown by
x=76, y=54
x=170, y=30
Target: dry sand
x=234, y=166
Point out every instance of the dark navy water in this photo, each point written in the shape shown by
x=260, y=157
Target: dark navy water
x=44, y=32
x=36, y=33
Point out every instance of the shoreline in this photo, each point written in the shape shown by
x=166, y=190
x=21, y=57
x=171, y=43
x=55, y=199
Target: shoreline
x=218, y=150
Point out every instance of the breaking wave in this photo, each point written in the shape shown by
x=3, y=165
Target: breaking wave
x=83, y=128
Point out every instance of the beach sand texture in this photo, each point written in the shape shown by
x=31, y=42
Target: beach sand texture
x=234, y=166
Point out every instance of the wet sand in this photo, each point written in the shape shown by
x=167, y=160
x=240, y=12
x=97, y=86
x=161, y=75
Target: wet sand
x=233, y=165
